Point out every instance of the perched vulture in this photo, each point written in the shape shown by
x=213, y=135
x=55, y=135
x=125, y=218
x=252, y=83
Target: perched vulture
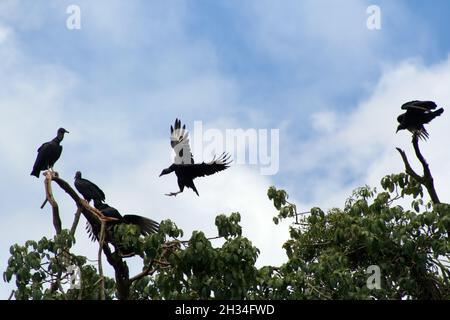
x=48, y=154
x=89, y=190
x=146, y=226
x=417, y=114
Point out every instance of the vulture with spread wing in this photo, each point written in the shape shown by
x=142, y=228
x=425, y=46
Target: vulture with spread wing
x=417, y=114
x=184, y=167
x=146, y=226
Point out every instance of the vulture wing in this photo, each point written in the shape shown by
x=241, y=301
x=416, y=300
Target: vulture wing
x=179, y=140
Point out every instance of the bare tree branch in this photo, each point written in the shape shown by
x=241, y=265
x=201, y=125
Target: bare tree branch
x=408, y=169
x=44, y=203
x=123, y=281
x=148, y=271
x=100, y=265
x=86, y=209
x=75, y=222
x=167, y=247
x=56, y=219
x=82, y=207
x=426, y=179
x=53, y=203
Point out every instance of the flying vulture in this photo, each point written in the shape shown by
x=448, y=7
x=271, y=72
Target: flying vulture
x=184, y=167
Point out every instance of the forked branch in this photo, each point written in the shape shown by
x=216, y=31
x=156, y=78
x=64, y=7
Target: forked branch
x=82, y=207
x=49, y=197
x=426, y=179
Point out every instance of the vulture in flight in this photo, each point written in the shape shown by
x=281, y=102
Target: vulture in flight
x=417, y=114
x=89, y=190
x=184, y=167
x=146, y=226
x=48, y=154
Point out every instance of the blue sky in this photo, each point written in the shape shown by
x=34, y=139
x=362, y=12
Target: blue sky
x=309, y=68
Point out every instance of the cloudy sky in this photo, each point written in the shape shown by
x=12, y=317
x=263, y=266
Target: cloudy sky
x=311, y=69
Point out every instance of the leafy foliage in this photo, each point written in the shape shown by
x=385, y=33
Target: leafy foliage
x=328, y=255
x=41, y=269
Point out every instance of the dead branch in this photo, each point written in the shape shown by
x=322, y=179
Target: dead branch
x=86, y=209
x=44, y=203
x=408, y=169
x=148, y=271
x=82, y=207
x=53, y=203
x=56, y=220
x=100, y=265
x=75, y=222
x=123, y=281
x=426, y=179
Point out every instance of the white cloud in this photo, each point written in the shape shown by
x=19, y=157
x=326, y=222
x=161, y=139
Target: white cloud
x=324, y=121
x=38, y=98
x=125, y=161
x=309, y=24
x=362, y=149
x=4, y=33
x=26, y=15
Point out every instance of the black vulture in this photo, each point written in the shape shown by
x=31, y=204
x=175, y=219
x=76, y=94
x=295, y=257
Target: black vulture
x=48, y=154
x=417, y=114
x=184, y=166
x=89, y=190
x=146, y=226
